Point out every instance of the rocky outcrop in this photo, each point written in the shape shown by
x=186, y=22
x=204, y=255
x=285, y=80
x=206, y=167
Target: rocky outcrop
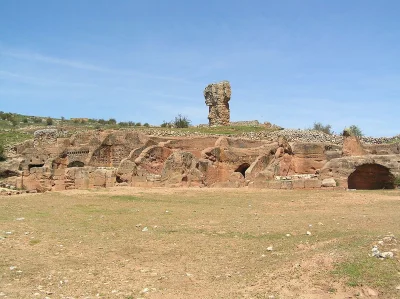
x=217, y=97
x=96, y=159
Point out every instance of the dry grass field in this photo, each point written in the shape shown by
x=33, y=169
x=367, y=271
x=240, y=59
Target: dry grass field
x=199, y=243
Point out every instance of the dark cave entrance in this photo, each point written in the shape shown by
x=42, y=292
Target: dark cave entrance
x=371, y=177
x=34, y=165
x=242, y=168
x=76, y=164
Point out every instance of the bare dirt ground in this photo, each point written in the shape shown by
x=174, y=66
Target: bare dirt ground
x=199, y=243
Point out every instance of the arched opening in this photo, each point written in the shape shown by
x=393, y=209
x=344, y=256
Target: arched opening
x=76, y=164
x=371, y=177
x=242, y=168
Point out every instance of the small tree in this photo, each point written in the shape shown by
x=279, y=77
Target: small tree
x=323, y=128
x=49, y=121
x=112, y=121
x=146, y=125
x=138, y=124
x=181, y=121
x=355, y=131
x=25, y=120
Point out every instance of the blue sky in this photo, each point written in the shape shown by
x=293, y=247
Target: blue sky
x=292, y=63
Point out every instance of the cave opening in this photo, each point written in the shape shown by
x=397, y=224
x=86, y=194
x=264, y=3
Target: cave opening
x=242, y=168
x=371, y=177
x=34, y=165
x=76, y=164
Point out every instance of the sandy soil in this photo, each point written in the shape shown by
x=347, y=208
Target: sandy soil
x=198, y=243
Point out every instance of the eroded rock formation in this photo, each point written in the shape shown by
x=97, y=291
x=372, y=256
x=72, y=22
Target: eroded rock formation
x=96, y=159
x=217, y=96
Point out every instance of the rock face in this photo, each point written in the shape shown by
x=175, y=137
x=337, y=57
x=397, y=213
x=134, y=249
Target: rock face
x=217, y=96
x=93, y=159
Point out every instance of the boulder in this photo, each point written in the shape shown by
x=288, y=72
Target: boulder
x=330, y=182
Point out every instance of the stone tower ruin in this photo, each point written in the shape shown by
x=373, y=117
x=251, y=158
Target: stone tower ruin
x=217, y=96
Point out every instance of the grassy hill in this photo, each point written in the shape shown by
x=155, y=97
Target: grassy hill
x=15, y=128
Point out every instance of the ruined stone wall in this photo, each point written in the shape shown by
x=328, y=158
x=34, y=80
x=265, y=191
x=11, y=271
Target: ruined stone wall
x=246, y=123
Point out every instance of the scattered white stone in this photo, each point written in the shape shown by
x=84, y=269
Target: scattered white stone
x=20, y=219
x=375, y=251
x=144, y=291
x=271, y=297
x=145, y=229
x=371, y=292
x=2, y=294
x=308, y=233
x=263, y=255
x=189, y=274
x=13, y=268
x=8, y=233
x=398, y=288
x=270, y=248
x=166, y=211
x=114, y=291
x=387, y=255
x=310, y=225
x=138, y=225
x=288, y=235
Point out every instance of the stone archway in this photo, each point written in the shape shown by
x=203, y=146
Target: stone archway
x=371, y=177
x=242, y=168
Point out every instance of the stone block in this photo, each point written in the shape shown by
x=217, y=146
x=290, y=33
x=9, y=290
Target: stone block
x=312, y=184
x=259, y=184
x=286, y=185
x=330, y=182
x=275, y=184
x=59, y=172
x=298, y=184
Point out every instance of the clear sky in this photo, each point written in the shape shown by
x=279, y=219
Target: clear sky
x=292, y=63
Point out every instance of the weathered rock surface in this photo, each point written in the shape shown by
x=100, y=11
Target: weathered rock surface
x=90, y=159
x=217, y=97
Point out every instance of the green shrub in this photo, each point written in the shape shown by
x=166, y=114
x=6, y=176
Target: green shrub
x=138, y=124
x=166, y=124
x=49, y=121
x=323, y=128
x=13, y=122
x=397, y=181
x=37, y=120
x=146, y=125
x=112, y=121
x=181, y=122
x=25, y=120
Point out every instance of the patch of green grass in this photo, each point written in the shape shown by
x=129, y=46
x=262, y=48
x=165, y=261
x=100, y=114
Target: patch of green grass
x=10, y=137
x=365, y=270
x=224, y=130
